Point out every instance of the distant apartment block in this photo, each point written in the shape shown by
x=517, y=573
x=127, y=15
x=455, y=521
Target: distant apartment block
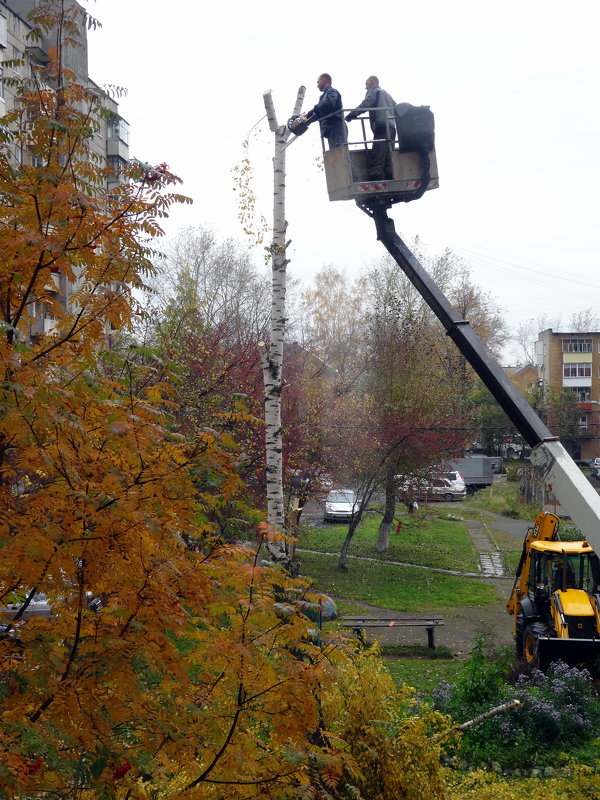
x=110, y=142
x=572, y=361
x=112, y=139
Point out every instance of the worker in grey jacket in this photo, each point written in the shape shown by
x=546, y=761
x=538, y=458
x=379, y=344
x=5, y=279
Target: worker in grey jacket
x=380, y=105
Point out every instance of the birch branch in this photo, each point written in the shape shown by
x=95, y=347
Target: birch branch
x=491, y=713
x=476, y=720
x=270, y=109
x=299, y=100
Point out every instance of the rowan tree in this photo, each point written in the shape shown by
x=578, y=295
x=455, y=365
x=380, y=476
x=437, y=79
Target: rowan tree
x=170, y=664
x=165, y=666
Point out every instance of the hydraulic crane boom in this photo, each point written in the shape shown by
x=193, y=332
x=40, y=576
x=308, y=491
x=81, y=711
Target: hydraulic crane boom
x=552, y=462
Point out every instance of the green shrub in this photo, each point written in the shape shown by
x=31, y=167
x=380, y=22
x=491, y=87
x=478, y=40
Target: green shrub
x=514, y=474
x=569, y=533
x=480, y=685
x=558, y=713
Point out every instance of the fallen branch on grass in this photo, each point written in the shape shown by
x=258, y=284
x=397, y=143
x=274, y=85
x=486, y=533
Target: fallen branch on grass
x=476, y=720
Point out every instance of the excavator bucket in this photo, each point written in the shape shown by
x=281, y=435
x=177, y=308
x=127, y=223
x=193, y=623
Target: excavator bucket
x=575, y=652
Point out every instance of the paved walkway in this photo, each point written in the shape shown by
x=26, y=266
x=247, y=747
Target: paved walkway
x=490, y=558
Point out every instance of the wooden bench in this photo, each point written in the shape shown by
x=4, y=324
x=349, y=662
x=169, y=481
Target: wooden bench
x=430, y=623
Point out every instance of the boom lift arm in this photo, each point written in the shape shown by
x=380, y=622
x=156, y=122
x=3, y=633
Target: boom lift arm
x=553, y=464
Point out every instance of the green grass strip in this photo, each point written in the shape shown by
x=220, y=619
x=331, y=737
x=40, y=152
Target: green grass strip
x=423, y=675
x=410, y=589
x=423, y=540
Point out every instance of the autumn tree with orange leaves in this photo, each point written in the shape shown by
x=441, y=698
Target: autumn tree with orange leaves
x=141, y=655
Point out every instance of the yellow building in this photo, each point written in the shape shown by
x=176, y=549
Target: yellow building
x=572, y=361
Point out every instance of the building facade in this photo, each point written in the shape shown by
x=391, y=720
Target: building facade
x=571, y=361
x=111, y=141
x=22, y=56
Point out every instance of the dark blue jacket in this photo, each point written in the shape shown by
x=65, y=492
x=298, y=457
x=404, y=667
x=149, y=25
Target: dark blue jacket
x=330, y=101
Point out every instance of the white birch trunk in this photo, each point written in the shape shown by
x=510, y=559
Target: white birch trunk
x=272, y=352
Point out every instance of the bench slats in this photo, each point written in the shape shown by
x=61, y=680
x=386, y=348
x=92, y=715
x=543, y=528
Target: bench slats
x=368, y=617
x=430, y=623
x=394, y=623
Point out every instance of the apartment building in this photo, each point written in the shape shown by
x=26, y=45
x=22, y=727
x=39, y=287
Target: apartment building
x=567, y=360
x=111, y=140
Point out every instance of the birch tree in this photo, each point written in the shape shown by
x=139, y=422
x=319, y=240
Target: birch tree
x=272, y=352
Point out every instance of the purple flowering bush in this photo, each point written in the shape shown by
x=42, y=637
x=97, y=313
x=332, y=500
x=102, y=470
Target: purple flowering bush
x=559, y=711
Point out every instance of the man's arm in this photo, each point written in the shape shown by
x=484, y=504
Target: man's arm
x=326, y=105
x=370, y=101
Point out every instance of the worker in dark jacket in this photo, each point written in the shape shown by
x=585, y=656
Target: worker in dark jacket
x=329, y=113
x=380, y=105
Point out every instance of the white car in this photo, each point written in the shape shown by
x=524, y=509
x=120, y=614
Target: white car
x=340, y=505
x=456, y=479
x=442, y=488
x=434, y=487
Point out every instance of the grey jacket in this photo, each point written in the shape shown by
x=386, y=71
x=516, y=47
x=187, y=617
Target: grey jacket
x=380, y=104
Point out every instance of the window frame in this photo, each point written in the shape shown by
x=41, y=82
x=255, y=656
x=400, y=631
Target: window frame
x=576, y=345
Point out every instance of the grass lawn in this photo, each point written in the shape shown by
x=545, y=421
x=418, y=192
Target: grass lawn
x=504, y=498
x=424, y=675
x=423, y=540
x=389, y=586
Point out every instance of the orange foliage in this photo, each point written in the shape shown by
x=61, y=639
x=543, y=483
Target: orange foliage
x=163, y=662
x=171, y=664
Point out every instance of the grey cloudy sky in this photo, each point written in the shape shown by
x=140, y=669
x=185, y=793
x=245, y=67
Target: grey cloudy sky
x=514, y=85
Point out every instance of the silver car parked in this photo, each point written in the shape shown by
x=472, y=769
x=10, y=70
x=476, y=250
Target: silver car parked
x=340, y=505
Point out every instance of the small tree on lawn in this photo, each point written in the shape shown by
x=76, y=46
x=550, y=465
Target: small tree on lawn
x=413, y=394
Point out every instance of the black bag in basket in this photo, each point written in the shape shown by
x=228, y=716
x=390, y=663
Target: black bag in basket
x=415, y=127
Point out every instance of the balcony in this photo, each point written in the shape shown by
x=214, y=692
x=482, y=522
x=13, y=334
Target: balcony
x=42, y=326
x=117, y=147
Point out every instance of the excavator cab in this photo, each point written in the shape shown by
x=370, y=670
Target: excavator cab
x=559, y=569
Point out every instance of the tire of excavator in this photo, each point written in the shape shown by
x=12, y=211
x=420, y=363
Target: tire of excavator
x=531, y=642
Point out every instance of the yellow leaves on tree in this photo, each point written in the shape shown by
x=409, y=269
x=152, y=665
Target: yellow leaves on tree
x=393, y=749
x=140, y=656
x=579, y=782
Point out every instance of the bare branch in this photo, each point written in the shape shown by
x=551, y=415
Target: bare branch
x=299, y=99
x=270, y=109
x=476, y=720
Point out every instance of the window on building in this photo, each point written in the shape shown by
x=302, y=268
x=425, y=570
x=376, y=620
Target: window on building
x=577, y=345
x=583, y=394
x=117, y=164
x=118, y=129
x=583, y=370
x=583, y=421
x=2, y=82
x=3, y=39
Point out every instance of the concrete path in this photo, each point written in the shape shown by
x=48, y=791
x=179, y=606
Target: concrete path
x=514, y=527
x=490, y=558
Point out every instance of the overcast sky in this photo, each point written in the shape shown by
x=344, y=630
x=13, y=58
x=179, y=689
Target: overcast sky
x=514, y=85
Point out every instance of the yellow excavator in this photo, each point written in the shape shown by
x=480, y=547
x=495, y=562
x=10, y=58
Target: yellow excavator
x=555, y=598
